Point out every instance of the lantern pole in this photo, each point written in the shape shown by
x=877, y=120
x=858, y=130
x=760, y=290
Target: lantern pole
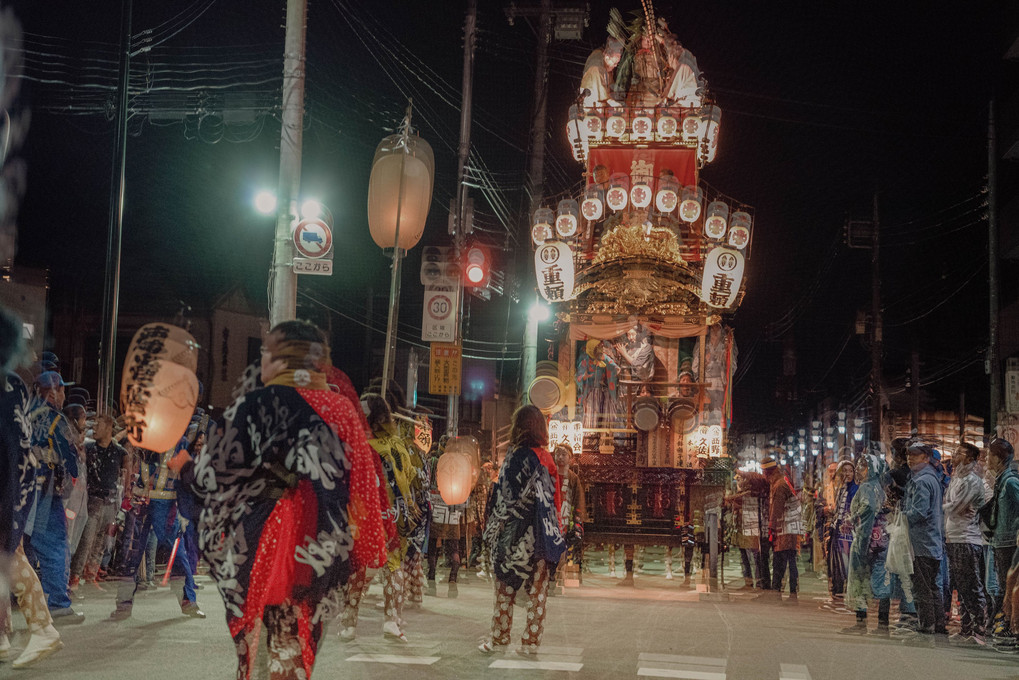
x=282, y=279
x=394, y=283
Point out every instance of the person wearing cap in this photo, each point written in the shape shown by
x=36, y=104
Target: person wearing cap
x=107, y=464
x=1001, y=516
x=46, y=540
x=785, y=526
x=965, y=496
x=922, y=507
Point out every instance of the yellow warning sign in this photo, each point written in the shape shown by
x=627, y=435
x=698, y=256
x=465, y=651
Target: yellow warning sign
x=444, y=368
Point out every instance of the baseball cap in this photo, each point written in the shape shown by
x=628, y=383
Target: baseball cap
x=50, y=379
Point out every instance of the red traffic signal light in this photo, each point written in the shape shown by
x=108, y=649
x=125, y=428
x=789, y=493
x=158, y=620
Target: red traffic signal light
x=477, y=267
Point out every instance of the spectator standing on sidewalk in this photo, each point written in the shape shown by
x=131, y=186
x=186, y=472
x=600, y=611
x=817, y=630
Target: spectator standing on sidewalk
x=1001, y=515
x=868, y=532
x=965, y=496
x=922, y=506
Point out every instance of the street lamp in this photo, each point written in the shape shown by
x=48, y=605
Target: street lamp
x=265, y=202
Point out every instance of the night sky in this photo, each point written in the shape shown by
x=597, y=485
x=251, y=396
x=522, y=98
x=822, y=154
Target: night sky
x=823, y=103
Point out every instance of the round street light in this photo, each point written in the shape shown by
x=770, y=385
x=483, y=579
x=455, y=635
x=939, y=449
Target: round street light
x=311, y=209
x=538, y=312
x=265, y=202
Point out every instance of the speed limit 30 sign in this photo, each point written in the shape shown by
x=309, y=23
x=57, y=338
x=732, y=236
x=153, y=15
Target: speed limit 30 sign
x=438, y=322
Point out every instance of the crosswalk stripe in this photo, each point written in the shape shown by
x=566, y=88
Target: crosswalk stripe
x=395, y=658
x=791, y=671
x=537, y=665
x=684, y=673
x=684, y=667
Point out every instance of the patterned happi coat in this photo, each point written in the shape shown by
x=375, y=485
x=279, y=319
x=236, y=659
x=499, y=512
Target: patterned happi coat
x=522, y=526
x=273, y=439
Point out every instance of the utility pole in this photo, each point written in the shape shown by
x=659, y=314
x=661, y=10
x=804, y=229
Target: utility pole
x=536, y=161
x=992, y=268
x=283, y=280
x=876, y=329
x=460, y=225
x=111, y=287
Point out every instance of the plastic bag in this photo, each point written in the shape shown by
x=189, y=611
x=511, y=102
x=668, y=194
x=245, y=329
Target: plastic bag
x=899, y=559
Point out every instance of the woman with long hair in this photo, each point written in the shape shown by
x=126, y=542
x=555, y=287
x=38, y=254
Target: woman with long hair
x=840, y=537
x=522, y=531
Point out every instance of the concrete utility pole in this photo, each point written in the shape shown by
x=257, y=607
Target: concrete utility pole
x=460, y=225
x=876, y=326
x=283, y=280
x=111, y=288
x=992, y=270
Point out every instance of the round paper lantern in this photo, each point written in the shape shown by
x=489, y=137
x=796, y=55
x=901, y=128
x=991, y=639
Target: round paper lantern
x=619, y=191
x=690, y=208
x=593, y=206
x=400, y=190
x=158, y=401
x=468, y=446
x=640, y=195
x=643, y=126
x=595, y=126
x=668, y=194
x=615, y=126
x=668, y=125
x=692, y=124
x=566, y=220
x=739, y=229
x=158, y=342
x=717, y=219
x=453, y=477
x=541, y=230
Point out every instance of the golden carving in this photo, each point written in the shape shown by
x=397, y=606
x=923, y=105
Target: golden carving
x=639, y=240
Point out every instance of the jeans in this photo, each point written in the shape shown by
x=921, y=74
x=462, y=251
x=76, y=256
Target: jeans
x=749, y=562
x=892, y=591
x=763, y=558
x=930, y=606
x=966, y=564
x=1002, y=562
x=156, y=519
x=782, y=559
x=48, y=547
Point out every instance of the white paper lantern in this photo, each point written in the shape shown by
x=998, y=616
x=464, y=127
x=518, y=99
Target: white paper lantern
x=667, y=126
x=667, y=196
x=541, y=229
x=640, y=195
x=615, y=126
x=690, y=208
x=554, y=271
x=723, y=275
x=642, y=127
x=400, y=190
x=158, y=402
x=468, y=446
x=692, y=124
x=717, y=220
x=566, y=219
x=595, y=126
x=593, y=206
x=619, y=191
x=739, y=229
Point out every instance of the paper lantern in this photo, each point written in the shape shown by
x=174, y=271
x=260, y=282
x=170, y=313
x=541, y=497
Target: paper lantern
x=668, y=194
x=566, y=219
x=400, y=190
x=158, y=401
x=690, y=208
x=453, y=477
x=576, y=133
x=541, y=230
x=595, y=126
x=723, y=275
x=739, y=229
x=692, y=124
x=615, y=126
x=162, y=342
x=593, y=206
x=554, y=271
x=619, y=191
x=640, y=195
x=717, y=219
x=668, y=125
x=712, y=116
x=642, y=126
x=468, y=446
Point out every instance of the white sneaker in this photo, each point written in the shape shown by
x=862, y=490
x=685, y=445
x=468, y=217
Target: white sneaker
x=348, y=633
x=391, y=631
x=5, y=647
x=668, y=575
x=612, y=572
x=40, y=645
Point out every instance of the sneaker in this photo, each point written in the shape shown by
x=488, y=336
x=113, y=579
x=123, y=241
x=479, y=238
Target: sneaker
x=430, y=588
x=121, y=613
x=880, y=631
x=859, y=628
x=66, y=616
x=489, y=647
x=191, y=609
x=527, y=650
x=668, y=575
x=74, y=583
x=42, y=643
x=791, y=601
x=348, y=633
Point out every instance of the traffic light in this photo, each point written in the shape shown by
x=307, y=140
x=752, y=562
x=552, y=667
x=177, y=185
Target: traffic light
x=477, y=267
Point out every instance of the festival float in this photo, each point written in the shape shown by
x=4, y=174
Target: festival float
x=641, y=270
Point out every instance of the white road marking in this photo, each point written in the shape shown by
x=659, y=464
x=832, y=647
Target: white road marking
x=684, y=667
x=791, y=671
x=395, y=658
x=537, y=665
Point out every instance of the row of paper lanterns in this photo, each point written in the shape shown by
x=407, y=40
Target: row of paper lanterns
x=564, y=222
x=699, y=126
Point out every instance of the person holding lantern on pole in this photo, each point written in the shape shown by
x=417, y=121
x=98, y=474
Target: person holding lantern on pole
x=522, y=530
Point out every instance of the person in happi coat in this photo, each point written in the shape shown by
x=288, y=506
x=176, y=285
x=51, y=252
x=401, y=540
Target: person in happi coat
x=275, y=486
x=522, y=530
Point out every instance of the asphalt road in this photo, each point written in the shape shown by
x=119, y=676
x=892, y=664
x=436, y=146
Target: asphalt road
x=659, y=628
